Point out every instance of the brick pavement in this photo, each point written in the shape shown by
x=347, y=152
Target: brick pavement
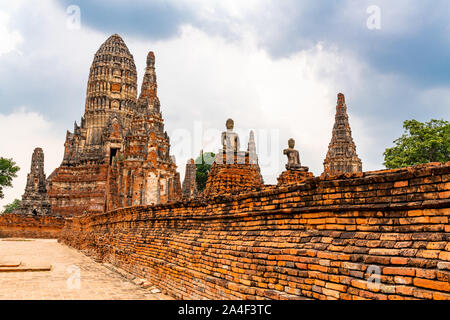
x=96, y=280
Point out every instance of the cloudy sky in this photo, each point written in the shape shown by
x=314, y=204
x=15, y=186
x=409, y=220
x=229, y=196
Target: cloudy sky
x=274, y=66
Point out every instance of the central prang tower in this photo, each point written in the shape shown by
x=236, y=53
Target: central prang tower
x=111, y=89
x=119, y=155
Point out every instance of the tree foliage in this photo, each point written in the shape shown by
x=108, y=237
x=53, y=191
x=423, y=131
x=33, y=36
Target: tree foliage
x=11, y=206
x=203, y=165
x=8, y=171
x=422, y=142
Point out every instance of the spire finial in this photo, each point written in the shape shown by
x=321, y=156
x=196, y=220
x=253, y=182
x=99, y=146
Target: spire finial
x=340, y=99
x=151, y=59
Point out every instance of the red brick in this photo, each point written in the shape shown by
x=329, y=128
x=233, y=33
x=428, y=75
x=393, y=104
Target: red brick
x=431, y=284
x=399, y=271
x=399, y=260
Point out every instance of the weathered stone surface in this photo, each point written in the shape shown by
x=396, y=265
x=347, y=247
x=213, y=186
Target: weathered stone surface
x=293, y=157
x=289, y=177
x=341, y=157
x=35, y=200
x=253, y=157
x=97, y=281
x=230, y=139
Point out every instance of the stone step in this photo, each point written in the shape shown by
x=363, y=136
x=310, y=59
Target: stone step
x=22, y=268
x=9, y=264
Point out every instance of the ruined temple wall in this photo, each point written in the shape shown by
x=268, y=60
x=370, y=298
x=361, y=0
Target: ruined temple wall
x=21, y=226
x=75, y=190
x=135, y=182
x=320, y=239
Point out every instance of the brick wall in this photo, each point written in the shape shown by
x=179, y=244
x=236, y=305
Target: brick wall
x=24, y=226
x=322, y=239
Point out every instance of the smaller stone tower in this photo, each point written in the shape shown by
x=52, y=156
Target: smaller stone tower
x=341, y=156
x=252, y=148
x=190, y=183
x=35, y=199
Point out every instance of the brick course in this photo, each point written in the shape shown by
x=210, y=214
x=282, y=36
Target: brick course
x=26, y=226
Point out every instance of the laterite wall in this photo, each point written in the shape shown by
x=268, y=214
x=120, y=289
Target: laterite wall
x=321, y=239
x=24, y=226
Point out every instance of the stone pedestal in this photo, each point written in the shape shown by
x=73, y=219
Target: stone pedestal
x=233, y=172
x=289, y=177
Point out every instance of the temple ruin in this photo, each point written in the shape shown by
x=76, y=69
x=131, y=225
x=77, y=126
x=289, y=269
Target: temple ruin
x=117, y=197
x=35, y=199
x=341, y=157
x=119, y=155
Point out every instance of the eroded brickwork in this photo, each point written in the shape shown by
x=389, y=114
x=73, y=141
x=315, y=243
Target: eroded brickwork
x=320, y=239
x=20, y=226
x=289, y=177
x=233, y=172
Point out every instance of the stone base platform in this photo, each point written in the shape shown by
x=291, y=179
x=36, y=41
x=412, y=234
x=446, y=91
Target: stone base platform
x=233, y=173
x=289, y=177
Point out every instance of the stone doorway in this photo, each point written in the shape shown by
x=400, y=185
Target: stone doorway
x=112, y=154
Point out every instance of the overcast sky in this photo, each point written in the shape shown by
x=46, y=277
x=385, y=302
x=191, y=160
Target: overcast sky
x=273, y=66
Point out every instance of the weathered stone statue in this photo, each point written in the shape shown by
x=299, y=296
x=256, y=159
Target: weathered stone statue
x=230, y=139
x=293, y=157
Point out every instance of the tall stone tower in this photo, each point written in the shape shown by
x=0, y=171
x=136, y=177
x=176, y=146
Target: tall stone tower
x=119, y=155
x=111, y=89
x=341, y=156
x=35, y=199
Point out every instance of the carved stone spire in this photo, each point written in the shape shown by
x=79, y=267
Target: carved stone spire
x=148, y=99
x=112, y=88
x=341, y=156
x=35, y=199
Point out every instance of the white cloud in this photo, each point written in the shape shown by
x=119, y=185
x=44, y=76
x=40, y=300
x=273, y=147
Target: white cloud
x=21, y=132
x=437, y=101
x=209, y=79
x=203, y=80
x=9, y=39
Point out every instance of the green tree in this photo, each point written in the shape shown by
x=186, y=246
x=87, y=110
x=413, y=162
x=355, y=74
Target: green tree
x=203, y=164
x=422, y=142
x=8, y=170
x=12, y=206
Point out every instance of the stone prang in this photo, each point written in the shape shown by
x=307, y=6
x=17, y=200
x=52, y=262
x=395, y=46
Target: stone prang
x=35, y=199
x=341, y=157
x=119, y=155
